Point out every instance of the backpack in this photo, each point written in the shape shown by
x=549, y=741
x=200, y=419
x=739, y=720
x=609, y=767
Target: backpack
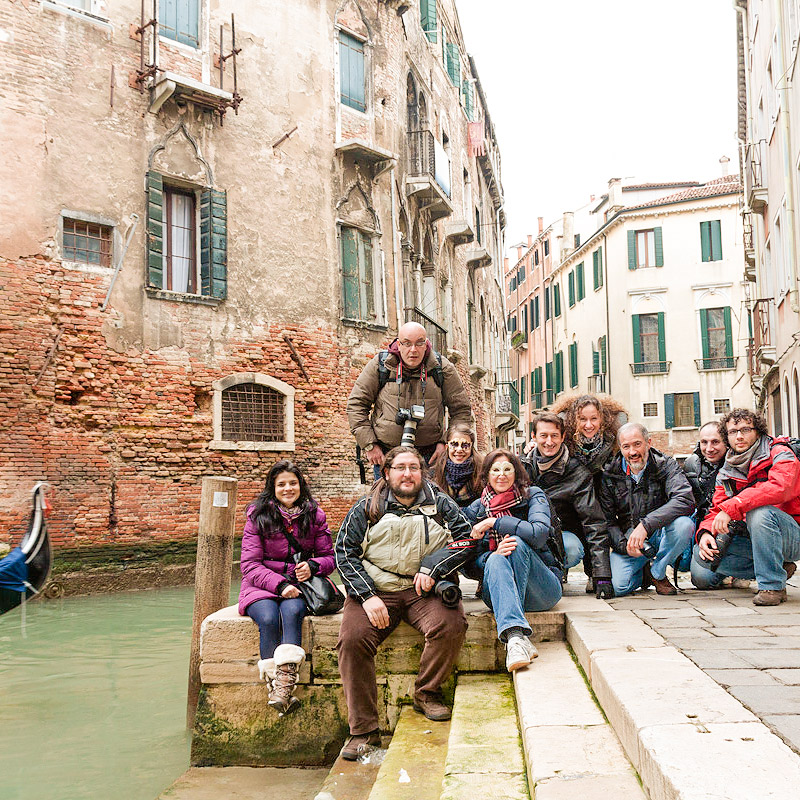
x=437, y=373
x=792, y=442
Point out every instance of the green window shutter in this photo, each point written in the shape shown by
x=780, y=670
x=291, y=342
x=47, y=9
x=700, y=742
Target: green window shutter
x=669, y=411
x=573, y=364
x=537, y=379
x=659, y=247
x=696, y=397
x=214, y=243
x=350, y=286
x=631, y=249
x=728, y=332
x=581, y=282
x=427, y=18
x=600, y=266
x=603, y=355
x=536, y=319
x=547, y=303
x=716, y=240
x=637, y=341
x=178, y=20
x=351, y=72
x=705, y=241
x=559, y=362
x=522, y=390
x=365, y=269
x=595, y=362
x=557, y=299
x=597, y=269
x=571, y=289
x=454, y=63
x=155, y=230
x=662, y=342
x=704, y=332
x=548, y=375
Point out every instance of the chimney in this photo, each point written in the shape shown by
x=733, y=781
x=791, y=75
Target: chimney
x=614, y=195
x=723, y=162
x=530, y=240
x=568, y=228
x=541, y=224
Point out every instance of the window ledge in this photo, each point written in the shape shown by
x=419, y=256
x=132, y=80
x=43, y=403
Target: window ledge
x=360, y=323
x=684, y=428
x=222, y=444
x=180, y=297
x=78, y=13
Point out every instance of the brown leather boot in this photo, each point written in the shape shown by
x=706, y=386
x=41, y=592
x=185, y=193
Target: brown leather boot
x=770, y=597
x=288, y=658
x=663, y=585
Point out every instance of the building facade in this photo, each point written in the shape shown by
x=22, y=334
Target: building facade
x=647, y=303
x=769, y=99
x=214, y=214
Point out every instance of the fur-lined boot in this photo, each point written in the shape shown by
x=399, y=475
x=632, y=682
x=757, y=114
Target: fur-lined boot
x=288, y=658
x=266, y=670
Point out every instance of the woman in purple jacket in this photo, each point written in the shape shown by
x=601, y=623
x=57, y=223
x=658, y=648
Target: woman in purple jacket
x=269, y=593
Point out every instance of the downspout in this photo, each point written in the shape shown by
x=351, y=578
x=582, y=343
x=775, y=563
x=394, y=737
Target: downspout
x=395, y=249
x=608, y=318
x=788, y=179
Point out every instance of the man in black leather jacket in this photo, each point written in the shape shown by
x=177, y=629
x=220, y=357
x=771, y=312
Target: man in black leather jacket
x=647, y=501
x=570, y=487
x=702, y=466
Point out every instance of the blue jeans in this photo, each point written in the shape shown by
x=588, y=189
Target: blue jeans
x=279, y=622
x=518, y=583
x=573, y=548
x=671, y=541
x=774, y=538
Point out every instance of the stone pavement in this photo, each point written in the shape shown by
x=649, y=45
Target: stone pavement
x=752, y=651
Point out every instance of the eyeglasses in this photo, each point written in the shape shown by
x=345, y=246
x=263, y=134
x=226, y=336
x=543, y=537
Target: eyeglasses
x=744, y=431
x=419, y=344
x=460, y=445
x=412, y=468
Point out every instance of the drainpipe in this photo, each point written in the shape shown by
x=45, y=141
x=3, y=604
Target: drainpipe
x=788, y=178
x=608, y=324
x=395, y=250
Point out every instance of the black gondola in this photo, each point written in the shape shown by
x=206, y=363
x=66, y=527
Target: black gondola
x=24, y=571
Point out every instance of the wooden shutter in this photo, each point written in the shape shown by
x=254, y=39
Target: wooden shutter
x=351, y=72
x=367, y=284
x=548, y=375
x=536, y=311
x=557, y=298
x=704, y=332
x=573, y=364
x=662, y=344
x=454, y=63
x=524, y=326
x=571, y=289
x=155, y=230
x=547, y=303
x=596, y=362
x=470, y=309
x=559, y=365
x=631, y=249
x=726, y=311
x=637, y=341
x=659, y=247
x=696, y=397
x=427, y=18
x=537, y=379
x=716, y=240
x=705, y=241
x=603, y=355
x=669, y=411
x=350, y=273
x=522, y=390
x=214, y=243
x=580, y=281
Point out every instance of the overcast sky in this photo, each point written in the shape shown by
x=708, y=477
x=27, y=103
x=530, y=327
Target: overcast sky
x=581, y=91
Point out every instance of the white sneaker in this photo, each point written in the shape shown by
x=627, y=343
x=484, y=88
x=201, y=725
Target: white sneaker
x=519, y=652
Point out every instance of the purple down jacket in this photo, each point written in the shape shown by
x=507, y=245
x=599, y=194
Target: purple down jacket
x=267, y=562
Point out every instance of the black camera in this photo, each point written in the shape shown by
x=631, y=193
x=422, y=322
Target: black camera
x=649, y=550
x=408, y=418
x=723, y=542
x=449, y=593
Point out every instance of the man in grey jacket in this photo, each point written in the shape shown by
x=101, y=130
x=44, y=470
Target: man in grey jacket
x=647, y=501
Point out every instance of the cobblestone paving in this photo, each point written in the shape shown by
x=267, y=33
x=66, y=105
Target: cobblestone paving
x=752, y=651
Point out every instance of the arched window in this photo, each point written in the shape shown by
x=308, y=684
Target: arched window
x=796, y=400
x=252, y=411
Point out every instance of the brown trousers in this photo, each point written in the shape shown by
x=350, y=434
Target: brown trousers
x=444, y=630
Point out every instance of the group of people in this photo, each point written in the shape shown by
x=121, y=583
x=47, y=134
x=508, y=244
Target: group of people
x=589, y=487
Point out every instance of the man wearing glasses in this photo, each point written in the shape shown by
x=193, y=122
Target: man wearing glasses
x=759, y=484
x=410, y=374
x=385, y=555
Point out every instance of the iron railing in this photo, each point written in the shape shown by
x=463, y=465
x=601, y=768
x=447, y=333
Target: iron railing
x=650, y=367
x=753, y=364
x=723, y=362
x=519, y=338
x=427, y=157
x=761, y=329
x=507, y=398
x=436, y=333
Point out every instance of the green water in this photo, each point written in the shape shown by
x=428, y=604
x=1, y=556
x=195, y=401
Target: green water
x=93, y=697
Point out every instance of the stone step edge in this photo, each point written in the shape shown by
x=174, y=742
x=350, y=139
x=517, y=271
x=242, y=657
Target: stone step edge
x=649, y=691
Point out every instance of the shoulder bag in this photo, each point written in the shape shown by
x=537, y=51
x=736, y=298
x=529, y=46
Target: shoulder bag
x=321, y=595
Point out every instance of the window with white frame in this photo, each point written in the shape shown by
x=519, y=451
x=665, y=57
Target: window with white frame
x=252, y=411
x=180, y=20
x=86, y=242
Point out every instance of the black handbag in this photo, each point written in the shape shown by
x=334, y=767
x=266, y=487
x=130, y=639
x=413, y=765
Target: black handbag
x=321, y=595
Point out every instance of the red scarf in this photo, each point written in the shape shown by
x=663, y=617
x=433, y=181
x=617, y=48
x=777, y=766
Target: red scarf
x=500, y=505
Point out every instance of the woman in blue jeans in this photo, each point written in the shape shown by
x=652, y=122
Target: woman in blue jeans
x=520, y=570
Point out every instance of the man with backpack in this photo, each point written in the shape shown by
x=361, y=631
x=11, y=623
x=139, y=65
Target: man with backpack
x=753, y=527
x=408, y=385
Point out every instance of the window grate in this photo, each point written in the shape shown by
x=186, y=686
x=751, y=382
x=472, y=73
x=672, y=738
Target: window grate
x=722, y=406
x=649, y=409
x=87, y=242
x=252, y=413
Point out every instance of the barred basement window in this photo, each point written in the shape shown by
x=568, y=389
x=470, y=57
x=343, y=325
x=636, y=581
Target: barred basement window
x=252, y=411
x=649, y=409
x=722, y=406
x=86, y=242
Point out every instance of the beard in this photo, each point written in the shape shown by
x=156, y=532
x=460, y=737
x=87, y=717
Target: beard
x=404, y=492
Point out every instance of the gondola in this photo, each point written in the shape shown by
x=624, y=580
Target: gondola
x=24, y=571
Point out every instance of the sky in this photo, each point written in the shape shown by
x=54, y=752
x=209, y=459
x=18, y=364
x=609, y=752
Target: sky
x=581, y=91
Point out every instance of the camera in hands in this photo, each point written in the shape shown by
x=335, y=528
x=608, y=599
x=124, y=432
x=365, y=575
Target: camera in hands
x=408, y=418
x=724, y=539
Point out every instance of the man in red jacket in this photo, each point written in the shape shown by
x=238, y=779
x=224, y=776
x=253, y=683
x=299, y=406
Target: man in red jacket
x=759, y=484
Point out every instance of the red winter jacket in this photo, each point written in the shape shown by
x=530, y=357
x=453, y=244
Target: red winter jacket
x=773, y=480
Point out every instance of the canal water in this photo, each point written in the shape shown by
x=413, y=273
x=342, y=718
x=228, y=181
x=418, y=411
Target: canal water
x=93, y=696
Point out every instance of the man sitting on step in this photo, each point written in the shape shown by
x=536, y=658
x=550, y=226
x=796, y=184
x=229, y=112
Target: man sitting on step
x=387, y=555
x=757, y=503
x=647, y=501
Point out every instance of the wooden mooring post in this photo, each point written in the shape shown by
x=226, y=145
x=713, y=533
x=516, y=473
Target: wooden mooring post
x=212, y=583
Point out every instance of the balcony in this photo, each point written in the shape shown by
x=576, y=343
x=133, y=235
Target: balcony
x=520, y=340
x=170, y=84
x=459, y=230
x=478, y=257
x=755, y=189
x=436, y=333
x=762, y=337
x=651, y=368
x=597, y=382
x=429, y=173
x=536, y=400
x=714, y=364
x=749, y=247
x=506, y=406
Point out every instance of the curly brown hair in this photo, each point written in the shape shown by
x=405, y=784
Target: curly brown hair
x=756, y=419
x=608, y=408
